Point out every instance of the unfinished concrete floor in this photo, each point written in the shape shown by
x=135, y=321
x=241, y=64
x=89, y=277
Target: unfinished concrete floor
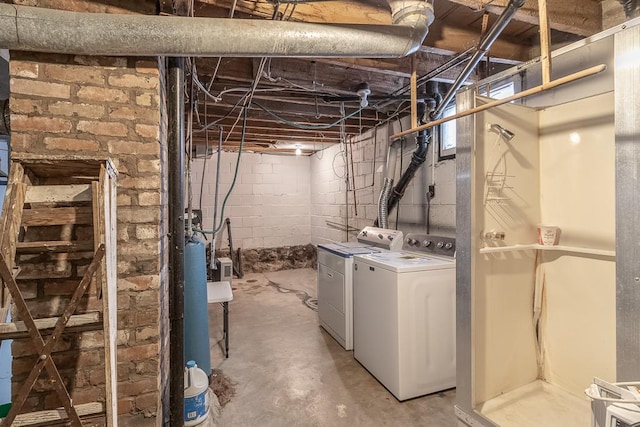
x=289, y=372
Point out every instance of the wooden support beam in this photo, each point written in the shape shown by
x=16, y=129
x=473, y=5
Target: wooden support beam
x=545, y=42
x=340, y=12
x=581, y=17
x=454, y=38
x=414, y=93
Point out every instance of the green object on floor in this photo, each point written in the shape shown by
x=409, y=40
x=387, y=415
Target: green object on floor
x=4, y=409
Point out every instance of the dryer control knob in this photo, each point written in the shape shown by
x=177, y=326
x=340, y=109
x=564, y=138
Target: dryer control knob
x=426, y=243
x=380, y=236
x=440, y=245
x=412, y=242
x=448, y=246
x=390, y=237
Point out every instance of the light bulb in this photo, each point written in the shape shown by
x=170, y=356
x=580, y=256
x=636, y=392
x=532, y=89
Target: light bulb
x=298, y=151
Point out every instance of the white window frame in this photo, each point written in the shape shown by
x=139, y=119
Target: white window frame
x=446, y=132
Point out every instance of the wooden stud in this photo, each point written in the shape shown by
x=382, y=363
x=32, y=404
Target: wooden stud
x=109, y=301
x=545, y=41
x=97, y=194
x=10, y=226
x=414, y=93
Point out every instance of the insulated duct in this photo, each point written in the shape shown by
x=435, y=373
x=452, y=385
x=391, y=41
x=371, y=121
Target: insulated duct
x=631, y=8
x=5, y=124
x=47, y=30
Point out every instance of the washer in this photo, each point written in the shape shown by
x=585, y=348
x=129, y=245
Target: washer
x=404, y=316
x=335, y=283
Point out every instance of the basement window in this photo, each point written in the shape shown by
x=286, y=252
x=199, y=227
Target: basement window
x=446, y=132
x=447, y=135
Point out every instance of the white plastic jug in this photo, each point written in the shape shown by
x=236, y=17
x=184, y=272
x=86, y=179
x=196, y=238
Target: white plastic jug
x=196, y=401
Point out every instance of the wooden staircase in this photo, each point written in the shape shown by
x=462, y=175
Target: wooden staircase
x=46, y=203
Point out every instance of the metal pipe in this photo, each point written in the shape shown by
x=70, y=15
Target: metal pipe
x=631, y=8
x=383, y=214
x=483, y=47
x=417, y=159
x=215, y=200
x=48, y=30
x=175, y=112
x=5, y=123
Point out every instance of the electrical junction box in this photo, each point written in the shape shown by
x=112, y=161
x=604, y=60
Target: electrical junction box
x=224, y=270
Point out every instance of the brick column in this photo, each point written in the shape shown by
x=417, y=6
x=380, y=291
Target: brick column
x=102, y=107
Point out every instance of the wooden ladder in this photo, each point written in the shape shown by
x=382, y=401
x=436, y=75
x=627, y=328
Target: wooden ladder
x=61, y=193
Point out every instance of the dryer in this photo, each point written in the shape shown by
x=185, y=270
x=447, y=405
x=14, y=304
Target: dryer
x=335, y=283
x=404, y=316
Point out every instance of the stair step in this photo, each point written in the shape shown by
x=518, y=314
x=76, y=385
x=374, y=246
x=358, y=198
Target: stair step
x=56, y=216
x=58, y=193
x=76, y=323
x=56, y=415
x=54, y=246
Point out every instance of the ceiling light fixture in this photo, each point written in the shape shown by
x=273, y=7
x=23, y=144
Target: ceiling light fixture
x=298, y=149
x=363, y=90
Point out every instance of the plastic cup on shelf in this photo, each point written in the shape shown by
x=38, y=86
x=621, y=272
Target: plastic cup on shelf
x=548, y=235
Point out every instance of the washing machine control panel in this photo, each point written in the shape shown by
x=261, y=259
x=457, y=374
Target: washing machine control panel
x=381, y=238
x=429, y=244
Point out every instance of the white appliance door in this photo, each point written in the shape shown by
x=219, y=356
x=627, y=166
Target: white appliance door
x=375, y=322
x=331, y=302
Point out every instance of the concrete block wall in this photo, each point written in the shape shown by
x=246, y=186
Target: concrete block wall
x=104, y=107
x=270, y=204
x=333, y=208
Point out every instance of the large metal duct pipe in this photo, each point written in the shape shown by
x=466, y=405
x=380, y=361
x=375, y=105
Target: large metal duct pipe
x=5, y=124
x=631, y=8
x=47, y=30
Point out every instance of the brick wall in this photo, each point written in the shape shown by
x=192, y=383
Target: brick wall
x=333, y=208
x=94, y=106
x=270, y=204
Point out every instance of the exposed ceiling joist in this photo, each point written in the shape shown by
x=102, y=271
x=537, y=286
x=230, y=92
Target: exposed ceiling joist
x=583, y=17
x=309, y=91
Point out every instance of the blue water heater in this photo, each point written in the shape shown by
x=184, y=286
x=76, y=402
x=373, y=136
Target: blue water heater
x=196, y=318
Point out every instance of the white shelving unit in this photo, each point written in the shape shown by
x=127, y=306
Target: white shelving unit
x=559, y=248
